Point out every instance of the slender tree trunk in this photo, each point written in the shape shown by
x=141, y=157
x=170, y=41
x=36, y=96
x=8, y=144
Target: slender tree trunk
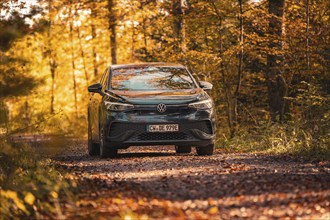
x=52, y=65
x=145, y=34
x=145, y=40
x=230, y=95
x=73, y=61
x=82, y=53
x=240, y=69
x=307, y=37
x=93, y=30
x=133, y=41
x=51, y=57
x=26, y=117
x=4, y=115
x=184, y=7
x=144, y=26
x=112, y=27
x=225, y=85
x=133, y=36
x=226, y=90
x=277, y=87
x=206, y=41
x=176, y=10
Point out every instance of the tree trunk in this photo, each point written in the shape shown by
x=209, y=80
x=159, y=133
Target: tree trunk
x=231, y=90
x=240, y=69
x=52, y=65
x=183, y=45
x=26, y=116
x=51, y=57
x=144, y=26
x=112, y=27
x=225, y=85
x=93, y=17
x=73, y=61
x=307, y=38
x=133, y=41
x=178, y=9
x=82, y=53
x=277, y=87
x=206, y=41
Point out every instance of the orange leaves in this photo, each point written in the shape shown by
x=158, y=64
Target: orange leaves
x=213, y=210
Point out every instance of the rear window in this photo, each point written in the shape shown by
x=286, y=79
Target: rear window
x=151, y=78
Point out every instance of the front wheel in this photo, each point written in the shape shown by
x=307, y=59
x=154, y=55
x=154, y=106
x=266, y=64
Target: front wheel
x=93, y=148
x=207, y=150
x=106, y=151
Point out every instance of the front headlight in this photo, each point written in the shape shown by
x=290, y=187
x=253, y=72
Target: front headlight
x=205, y=104
x=116, y=106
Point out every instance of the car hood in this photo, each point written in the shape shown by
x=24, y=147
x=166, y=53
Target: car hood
x=161, y=96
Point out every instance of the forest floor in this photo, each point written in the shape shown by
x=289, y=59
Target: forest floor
x=157, y=183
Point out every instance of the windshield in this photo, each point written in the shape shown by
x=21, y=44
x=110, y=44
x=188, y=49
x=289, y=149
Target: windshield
x=151, y=78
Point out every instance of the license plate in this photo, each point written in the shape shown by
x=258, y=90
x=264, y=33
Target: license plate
x=163, y=128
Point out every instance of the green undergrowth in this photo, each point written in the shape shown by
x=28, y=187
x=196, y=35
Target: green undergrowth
x=30, y=185
x=293, y=139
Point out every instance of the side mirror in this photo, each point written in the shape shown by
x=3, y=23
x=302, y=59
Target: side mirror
x=205, y=85
x=97, y=88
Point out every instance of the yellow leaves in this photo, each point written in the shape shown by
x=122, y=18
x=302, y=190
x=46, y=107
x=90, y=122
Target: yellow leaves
x=29, y=198
x=213, y=210
x=54, y=194
x=295, y=7
x=132, y=216
x=12, y=195
x=117, y=201
x=128, y=217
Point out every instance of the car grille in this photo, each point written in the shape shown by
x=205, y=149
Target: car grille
x=152, y=109
x=118, y=128
x=162, y=136
x=141, y=134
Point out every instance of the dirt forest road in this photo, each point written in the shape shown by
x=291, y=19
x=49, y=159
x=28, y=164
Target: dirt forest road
x=156, y=183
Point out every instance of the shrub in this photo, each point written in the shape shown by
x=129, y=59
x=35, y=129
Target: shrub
x=30, y=186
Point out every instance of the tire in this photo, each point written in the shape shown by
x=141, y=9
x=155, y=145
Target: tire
x=207, y=150
x=106, y=151
x=182, y=150
x=93, y=148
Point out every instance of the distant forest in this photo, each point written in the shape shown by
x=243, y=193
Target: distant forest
x=268, y=60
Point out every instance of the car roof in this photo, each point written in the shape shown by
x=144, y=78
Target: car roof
x=158, y=64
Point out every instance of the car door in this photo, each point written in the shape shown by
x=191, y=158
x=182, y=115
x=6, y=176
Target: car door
x=97, y=101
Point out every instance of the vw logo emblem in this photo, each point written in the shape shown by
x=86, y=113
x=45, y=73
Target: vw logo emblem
x=161, y=108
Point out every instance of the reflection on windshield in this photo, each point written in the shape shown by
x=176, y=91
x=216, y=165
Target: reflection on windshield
x=151, y=78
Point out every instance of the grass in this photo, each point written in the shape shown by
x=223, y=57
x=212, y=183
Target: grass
x=292, y=139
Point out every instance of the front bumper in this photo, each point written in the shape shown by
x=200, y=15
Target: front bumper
x=129, y=134
x=124, y=129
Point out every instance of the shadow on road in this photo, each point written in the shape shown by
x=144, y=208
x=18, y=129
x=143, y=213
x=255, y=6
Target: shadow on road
x=144, y=154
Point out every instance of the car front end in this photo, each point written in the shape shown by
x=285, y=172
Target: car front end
x=182, y=120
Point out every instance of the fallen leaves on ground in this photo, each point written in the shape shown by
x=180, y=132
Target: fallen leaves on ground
x=156, y=183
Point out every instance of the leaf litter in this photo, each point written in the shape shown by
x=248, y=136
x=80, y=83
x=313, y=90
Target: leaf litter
x=157, y=183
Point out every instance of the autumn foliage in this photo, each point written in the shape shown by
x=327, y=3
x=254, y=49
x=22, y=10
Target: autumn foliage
x=268, y=61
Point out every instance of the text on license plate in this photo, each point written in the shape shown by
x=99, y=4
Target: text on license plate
x=163, y=128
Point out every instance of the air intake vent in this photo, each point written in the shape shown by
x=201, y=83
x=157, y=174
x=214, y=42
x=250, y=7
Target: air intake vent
x=162, y=136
